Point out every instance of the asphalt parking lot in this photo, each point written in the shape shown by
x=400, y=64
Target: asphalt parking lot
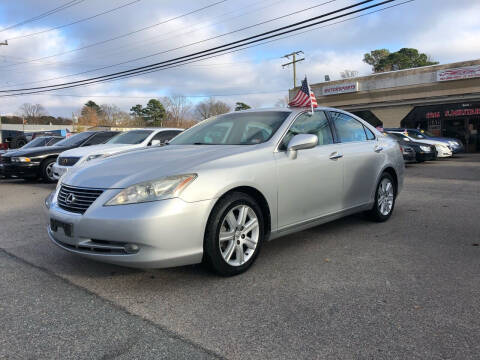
x=405, y=289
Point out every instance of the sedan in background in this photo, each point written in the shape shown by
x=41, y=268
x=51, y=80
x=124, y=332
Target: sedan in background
x=223, y=187
x=423, y=152
x=443, y=149
x=38, y=162
x=134, y=139
x=455, y=145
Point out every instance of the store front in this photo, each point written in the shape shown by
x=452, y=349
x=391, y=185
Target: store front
x=458, y=120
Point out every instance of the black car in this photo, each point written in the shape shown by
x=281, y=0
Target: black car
x=38, y=162
x=423, y=152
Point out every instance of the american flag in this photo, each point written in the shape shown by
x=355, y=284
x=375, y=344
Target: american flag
x=304, y=97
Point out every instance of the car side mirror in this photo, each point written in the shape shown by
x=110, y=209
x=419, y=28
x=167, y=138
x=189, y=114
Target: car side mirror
x=155, y=142
x=301, y=142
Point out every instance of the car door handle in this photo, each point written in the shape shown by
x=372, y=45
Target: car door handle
x=378, y=148
x=335, y=155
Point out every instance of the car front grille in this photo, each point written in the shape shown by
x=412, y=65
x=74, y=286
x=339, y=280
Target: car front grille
x=67, y=161
x=77, y=200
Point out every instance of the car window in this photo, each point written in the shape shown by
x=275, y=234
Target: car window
x=370, y=134
x=74, y=140
x=99, y=138
x=165, y=136
x=54, y=140
x=40, y=141
x=239, y=128
x=130, y=137
x=415, y=135
x=306, y=123
x=348, y=129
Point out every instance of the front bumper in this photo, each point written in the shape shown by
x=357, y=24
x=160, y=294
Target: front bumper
x=425, y=156
x=409, y=157
x=59, y=170
x=19, y=169
x=164, y=233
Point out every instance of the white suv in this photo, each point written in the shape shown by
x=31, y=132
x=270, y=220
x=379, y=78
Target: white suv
x=125, y=141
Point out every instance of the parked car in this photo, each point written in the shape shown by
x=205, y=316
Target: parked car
x=224, y=186
x=12, y=139
x=129, y=140
x=455, y=145
x=443, y=149
x=422, y=152
x=38, y=162
x=37, y=142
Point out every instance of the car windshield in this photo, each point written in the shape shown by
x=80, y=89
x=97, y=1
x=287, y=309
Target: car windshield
x=74, y=140
x=248, y=128
x=130, y=137
x=40, y=141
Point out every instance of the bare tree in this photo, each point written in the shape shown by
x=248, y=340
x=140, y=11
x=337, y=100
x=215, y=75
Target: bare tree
x=348, y=74
x=211, y=107
x=178, y=110
x=32, y=112
x=111, y=115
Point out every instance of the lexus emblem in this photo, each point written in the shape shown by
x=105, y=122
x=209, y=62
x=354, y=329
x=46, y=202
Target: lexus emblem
x=70, y=199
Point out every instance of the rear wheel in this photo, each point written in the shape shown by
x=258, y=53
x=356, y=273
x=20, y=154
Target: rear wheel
x=384, y=199
x=46, y=170
x=234, y=235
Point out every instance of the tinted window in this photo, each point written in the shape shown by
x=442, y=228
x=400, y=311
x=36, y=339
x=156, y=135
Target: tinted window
x=40, y=141
x=348, y=129
x=74, y=140
x=99, y=138
x=316, y=124
x=240, y=128
x=130, y=137
x=54, y=140
x=165, y=136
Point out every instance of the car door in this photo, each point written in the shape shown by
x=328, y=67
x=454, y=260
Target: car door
x=362, y=156
x=309, y=186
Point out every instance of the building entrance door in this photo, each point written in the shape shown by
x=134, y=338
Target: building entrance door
x=456, y=128
x=474, y=135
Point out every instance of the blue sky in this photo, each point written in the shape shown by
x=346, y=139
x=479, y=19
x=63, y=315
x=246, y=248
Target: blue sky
x=446, y=30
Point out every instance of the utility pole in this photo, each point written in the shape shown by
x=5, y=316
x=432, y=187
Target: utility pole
x=4, y=43
x=294, y=63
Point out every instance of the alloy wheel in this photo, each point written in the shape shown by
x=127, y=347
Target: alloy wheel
x=385, y=197
x=239, y=234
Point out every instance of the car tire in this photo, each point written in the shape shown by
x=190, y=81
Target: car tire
x=46, y=170
x=385, y=196
x=239, y=220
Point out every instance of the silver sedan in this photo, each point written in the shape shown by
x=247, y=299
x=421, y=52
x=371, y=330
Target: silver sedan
x=223, y=187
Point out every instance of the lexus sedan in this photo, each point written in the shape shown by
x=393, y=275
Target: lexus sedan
x=220, y=189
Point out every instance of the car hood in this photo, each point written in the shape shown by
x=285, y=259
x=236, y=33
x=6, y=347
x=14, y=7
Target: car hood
x=98, y=149
x=38, y=151
x=123, y=170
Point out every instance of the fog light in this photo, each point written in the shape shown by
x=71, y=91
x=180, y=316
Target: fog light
x=131, y=248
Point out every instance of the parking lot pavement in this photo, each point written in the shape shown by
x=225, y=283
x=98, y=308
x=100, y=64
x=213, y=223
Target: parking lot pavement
x=408, y=288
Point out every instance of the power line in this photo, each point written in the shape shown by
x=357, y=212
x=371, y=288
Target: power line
x=195, y=43
x=220, y=48
x=236, y=50
x=75, y=22
x=126, y=74
x=45, y=14
x=120, y=36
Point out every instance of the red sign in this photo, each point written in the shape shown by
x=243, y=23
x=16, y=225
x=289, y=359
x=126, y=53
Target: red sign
x=467, y=72
x=462, y=112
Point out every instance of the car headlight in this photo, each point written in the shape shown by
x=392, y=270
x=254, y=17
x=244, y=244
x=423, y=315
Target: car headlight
x=161, y=189
x=96, y=156
x=425, y=148
x=453, y=143
x=21, y=159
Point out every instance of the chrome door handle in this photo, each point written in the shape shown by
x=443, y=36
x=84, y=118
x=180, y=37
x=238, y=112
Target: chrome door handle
x=378, y=148
x=335, y=155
